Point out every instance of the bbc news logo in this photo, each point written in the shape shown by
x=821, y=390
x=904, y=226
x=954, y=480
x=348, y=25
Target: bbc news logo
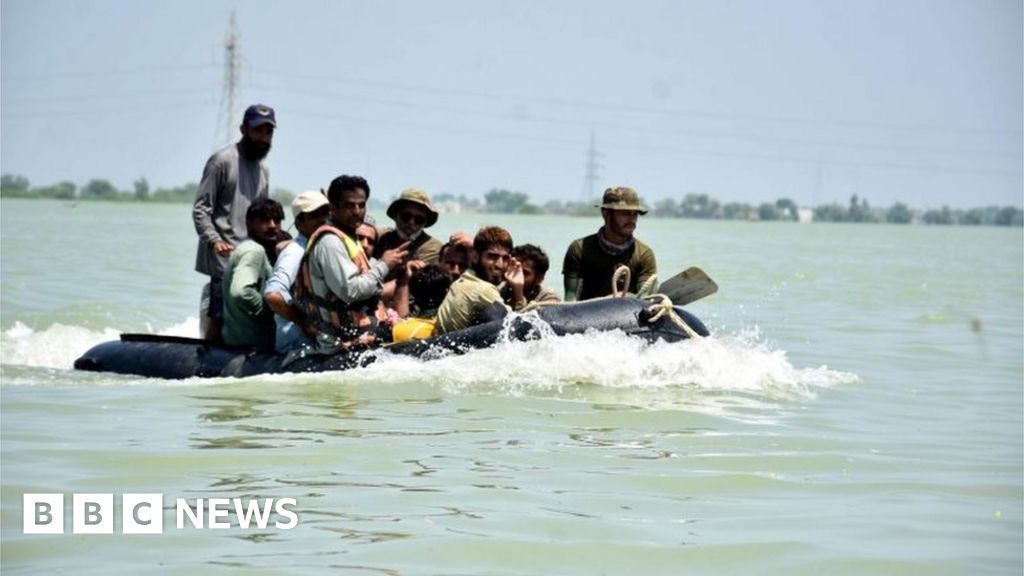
x=144, y=513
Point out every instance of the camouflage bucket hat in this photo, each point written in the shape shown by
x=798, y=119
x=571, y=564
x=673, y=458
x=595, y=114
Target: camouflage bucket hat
x=622, y=198
x=415, y=196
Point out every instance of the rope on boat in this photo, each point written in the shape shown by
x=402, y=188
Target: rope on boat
x=648, y=288
x=622, y=272
x=660, y=306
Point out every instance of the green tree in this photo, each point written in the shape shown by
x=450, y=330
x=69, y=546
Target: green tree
x=1010, y=216
x=61, y=191
x=141, y=189
x=582, y=209
x=788, y=209
x=666, y=208
x=14, y=185
x=186, y=193
x=98, y=189
x=698, y=206
x=767, y=212
x=972, y=217
x=554, y=207
x=899, y=214
x=859, y=211
x=830, y=213
x=507, y=202
x=737, y=211
x=943, y=216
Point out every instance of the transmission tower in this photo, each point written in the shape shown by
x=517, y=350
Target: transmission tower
x=229, y=96
x=591, y=176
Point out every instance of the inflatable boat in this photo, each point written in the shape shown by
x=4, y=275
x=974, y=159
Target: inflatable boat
x=175, y=357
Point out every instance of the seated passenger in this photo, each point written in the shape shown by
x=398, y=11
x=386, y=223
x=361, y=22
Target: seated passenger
x=456, y=257
x=428, y=287
x=247, y=321
x=366, y=235
x=476, y=291
x=338, y=285
x=535, y=265
x=412, y=212
x=310, y=210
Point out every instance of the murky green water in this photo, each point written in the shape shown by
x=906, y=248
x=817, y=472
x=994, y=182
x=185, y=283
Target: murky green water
x=858, y=410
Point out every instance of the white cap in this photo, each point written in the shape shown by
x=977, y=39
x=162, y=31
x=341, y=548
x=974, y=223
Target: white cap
x=308, y=201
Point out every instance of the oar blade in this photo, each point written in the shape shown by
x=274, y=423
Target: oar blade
x=688, y=286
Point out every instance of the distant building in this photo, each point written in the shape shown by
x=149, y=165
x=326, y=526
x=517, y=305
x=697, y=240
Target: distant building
x=449, y=206
x=805, y=215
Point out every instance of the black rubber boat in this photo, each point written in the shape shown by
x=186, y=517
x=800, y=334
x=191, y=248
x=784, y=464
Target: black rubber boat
x=175, y=357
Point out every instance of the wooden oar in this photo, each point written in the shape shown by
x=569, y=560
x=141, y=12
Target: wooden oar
x=688, y=286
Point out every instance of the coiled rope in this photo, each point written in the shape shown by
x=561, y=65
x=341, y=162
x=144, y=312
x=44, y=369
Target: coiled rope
x=660, y=306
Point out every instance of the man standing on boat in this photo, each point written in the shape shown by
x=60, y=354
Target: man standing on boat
x=233, y=178
x=590, y=262
x=338, y=284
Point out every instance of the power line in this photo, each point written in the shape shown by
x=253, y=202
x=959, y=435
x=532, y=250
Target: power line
x=743, y=136
x=606, y=106
x=618, y=145
x=140, y=107
x=144, y=71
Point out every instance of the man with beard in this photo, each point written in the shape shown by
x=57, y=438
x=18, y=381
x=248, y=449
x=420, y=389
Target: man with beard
x=475, y=296
x=412, y=213
x=309, y=210
x=590, y=262
x=339, y=286
x=233, y=178
x=247, y=320
x=455, y=256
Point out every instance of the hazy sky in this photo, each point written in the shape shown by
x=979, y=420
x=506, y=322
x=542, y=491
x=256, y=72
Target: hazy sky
x=816, y=100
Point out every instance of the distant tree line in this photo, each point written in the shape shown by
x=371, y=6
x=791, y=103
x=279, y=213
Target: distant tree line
x=502, y=201
x=15, y=186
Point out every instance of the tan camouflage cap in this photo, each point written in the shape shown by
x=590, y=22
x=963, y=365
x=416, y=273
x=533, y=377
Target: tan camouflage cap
x=621, y=198
x=416, y=196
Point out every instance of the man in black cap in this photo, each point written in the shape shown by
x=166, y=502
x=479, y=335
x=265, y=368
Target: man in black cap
x=590, y=262
x=234, y=176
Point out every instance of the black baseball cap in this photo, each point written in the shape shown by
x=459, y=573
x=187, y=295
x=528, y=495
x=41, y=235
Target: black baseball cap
x=258, y=115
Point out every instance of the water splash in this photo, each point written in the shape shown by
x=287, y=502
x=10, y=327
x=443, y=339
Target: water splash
x=59, y=345
x=723, y=374
x=612, y=361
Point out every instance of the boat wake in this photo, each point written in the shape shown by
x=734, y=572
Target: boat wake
x=725, y=372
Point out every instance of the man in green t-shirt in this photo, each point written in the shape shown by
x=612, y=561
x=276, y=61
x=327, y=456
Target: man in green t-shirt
x=475, y=296
x=248, y=321
x=590, y=262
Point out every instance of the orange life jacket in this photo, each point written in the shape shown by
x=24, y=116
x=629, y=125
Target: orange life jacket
x=347, y=321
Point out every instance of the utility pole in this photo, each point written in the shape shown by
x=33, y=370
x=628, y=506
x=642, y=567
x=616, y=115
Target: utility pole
x=229, y=97
x=591, y=176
